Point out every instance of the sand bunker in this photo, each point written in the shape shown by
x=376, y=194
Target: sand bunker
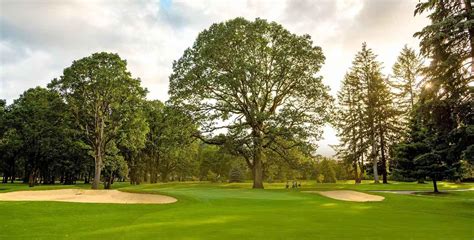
x=347, y=195
x=87, y=196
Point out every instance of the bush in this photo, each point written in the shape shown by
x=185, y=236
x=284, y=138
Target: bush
x=327, y=170
x=235, y=175
x=213, y=177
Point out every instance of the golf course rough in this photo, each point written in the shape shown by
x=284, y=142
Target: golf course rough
x=235, y=211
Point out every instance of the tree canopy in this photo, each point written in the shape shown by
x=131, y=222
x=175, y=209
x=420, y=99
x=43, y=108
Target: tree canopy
x=256, y=80
x=103, y=98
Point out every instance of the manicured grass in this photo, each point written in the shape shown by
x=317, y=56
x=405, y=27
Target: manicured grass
x=234, y=211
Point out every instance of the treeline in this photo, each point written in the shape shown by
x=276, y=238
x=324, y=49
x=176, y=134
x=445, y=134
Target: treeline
x=42, y=144
x=263, y=110
x=93, y=124
x=416, y=123
x=246, y=102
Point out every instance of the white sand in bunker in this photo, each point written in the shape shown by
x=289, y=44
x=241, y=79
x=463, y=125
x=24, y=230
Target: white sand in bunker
x=87, y=196
x=347, y=195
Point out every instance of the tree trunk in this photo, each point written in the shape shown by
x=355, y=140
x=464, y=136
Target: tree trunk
x=375, y=163
x=87, y=177
x=361, y=167
x=164, y=176
x=257, y=173
x=468, y=7
x=98, y=163
x=108, y=182
x=374, y=154
x=435, y=186
x=382, y=154
x=31, y=179
x=356, y=173
x=257, y=160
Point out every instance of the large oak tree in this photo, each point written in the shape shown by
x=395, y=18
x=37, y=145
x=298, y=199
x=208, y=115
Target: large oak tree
x=256, y=80
x=104, y=99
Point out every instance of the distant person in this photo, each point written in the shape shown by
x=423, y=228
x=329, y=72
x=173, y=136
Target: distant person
x=287, y=185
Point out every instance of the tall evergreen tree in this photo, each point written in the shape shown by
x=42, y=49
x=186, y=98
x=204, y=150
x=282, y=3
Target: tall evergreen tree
x=448, y=101
x=407, y=74
x=366, y=115
x=350, y=124
x=445, y=111
x=388, y=126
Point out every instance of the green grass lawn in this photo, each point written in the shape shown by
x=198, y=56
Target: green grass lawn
x=234, y=211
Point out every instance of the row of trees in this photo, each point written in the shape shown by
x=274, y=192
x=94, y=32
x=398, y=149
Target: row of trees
x=420, y=118
x=251, y=89
x=41, y=143
x=94, y=124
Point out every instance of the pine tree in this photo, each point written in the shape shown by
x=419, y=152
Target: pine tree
x=446, y=101
x=407, y=73
x=388, y=125
x=349, y=122
x=445, y=120
x=235, y=175
x=366, y=116
x=368, y=70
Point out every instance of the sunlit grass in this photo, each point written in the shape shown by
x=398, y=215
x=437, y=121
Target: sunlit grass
x=235, y=211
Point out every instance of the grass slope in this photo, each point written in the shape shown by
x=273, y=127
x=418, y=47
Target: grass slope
x=233, y=211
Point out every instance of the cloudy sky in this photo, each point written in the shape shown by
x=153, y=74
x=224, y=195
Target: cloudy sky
x=39, y=38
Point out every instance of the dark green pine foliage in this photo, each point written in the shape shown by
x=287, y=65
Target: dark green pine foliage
x=235, y=175
x=444, y=117
x=350, y=124
x=407, y=73
x=366, y=116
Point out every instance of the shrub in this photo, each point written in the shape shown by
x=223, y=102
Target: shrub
x=235, y=175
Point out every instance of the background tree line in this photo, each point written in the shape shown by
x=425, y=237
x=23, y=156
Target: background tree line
x=246, y=102
x=41, y=144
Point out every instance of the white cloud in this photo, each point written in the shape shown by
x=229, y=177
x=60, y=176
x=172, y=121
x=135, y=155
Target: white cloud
x=38, y=39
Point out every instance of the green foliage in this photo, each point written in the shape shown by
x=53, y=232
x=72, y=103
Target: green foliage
x=366, y=118
x=258, y=81
x=468, y=154
x=422, y=157
x=325, y=171
x=37, y=123
x=114, y=165
x=105, y=102
x=216, y=160
x=442, y=122
x=235, y=175
x=169, y=147
x=407, y=72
